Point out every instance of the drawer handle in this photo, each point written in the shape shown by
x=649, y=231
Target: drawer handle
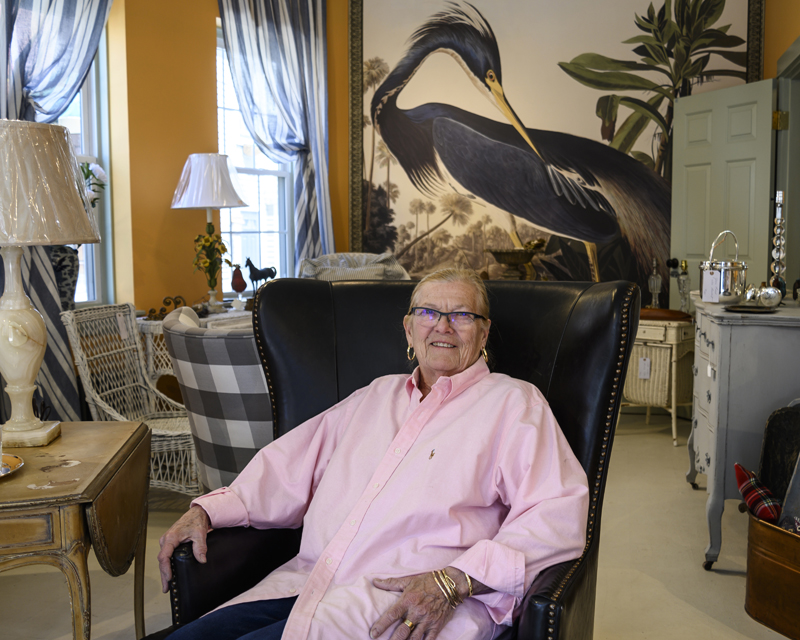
x=694, y=371
x=710, y=342
x=702, y=334
x=708, y=396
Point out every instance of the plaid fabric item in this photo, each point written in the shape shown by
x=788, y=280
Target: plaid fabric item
x=353, y=266
x=760, y=501
x=225, y=393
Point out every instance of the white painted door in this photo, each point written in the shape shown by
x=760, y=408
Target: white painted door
x=723, y=177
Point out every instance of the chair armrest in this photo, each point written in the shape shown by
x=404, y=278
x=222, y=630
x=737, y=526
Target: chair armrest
x=238, y=558
x=560, y=603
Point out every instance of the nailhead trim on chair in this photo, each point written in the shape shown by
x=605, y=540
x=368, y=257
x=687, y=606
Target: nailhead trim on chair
x=174, y=599
x=260, y=346
x=613, y=400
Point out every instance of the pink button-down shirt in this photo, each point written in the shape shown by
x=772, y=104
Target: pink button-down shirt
x=477, y=476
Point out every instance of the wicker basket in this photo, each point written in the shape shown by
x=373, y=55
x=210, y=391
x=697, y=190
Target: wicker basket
x=656, y=391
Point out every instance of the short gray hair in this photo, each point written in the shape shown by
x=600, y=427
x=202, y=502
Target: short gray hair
x=456, y=275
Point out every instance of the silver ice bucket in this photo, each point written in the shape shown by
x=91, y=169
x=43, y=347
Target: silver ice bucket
x=722, y=281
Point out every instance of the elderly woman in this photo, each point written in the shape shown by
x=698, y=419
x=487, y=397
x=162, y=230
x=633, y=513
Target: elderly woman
x=429, y=502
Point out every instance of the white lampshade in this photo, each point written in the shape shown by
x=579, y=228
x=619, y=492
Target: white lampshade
x=42, y=191
x=206, y=184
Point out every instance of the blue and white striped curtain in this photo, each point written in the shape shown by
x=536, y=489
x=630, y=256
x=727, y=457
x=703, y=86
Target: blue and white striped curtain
x=278, y=59
x=48, y=47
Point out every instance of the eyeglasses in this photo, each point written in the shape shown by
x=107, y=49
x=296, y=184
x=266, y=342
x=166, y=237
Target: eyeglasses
x=430, y=317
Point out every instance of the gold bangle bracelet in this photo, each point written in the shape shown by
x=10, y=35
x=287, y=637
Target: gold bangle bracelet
x=442, y=589
x=469, y=583
x=450, y=588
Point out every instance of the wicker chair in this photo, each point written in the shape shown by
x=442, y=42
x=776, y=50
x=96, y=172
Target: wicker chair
x=108, y=352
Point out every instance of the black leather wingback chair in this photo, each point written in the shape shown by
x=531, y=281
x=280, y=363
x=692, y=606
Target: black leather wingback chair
x=320, y=341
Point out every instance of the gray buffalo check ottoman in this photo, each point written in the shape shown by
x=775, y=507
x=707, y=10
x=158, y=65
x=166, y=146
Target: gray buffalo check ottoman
x=225, y=393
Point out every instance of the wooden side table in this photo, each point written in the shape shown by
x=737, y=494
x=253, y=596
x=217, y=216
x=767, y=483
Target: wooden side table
x=86, y=488
x=668, y=345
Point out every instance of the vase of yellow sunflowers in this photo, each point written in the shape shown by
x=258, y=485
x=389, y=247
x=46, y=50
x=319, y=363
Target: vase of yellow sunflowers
x=209, y=250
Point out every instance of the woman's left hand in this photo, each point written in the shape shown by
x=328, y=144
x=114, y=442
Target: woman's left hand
x=422, y=603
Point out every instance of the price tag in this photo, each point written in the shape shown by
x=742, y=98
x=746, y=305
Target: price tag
x=711, y=280
x=644, y=368
x=123, y=328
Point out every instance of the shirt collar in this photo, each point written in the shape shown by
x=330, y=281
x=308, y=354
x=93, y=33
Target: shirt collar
x=452, y=384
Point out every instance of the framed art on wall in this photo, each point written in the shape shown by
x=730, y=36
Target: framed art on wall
x=480, y=127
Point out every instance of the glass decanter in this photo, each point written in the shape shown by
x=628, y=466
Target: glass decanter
x=654, y=284
x=684, y=284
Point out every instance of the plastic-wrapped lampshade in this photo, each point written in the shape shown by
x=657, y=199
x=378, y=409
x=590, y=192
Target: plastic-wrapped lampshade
x=42, y=191
x=206, y=184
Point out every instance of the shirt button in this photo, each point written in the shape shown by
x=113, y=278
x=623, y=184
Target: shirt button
x=398, y=450
x=352, y=523
x=328, y=561
x=376, y=485
x=292, y=590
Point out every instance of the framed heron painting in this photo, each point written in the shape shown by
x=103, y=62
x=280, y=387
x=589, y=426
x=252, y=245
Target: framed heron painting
x=528, y=138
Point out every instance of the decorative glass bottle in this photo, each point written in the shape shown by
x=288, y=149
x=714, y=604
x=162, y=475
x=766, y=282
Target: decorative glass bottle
x=684, y=284
x=654, y=284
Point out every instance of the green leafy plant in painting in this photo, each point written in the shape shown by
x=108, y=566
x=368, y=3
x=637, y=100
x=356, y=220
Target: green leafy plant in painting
x=675, y=52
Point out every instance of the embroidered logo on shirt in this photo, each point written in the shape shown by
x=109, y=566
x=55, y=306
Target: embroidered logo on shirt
x=433, y=453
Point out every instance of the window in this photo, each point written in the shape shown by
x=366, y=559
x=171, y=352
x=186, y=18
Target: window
x=83, y=119
x=261, y=230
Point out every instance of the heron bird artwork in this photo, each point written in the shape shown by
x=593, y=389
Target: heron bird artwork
x=565, y=185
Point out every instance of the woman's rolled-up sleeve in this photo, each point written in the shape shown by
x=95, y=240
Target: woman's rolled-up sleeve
x=276, y=486
x=538, y=478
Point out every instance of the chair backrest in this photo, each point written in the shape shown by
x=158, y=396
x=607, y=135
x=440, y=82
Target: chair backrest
x=225, y=393
x=108, y=352
x=780, y=449
x=320, y=341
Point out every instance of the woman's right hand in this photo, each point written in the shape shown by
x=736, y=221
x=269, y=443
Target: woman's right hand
x=193, y=526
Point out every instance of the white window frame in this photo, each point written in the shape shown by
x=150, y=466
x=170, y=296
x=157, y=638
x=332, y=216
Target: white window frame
x=95, y=148
x=286, y=205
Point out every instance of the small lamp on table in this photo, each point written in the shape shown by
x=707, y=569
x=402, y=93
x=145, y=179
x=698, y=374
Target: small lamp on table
x=206, y=184
x=42, y=202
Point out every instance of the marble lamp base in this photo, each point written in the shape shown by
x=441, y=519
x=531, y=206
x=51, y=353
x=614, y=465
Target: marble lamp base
x=45, y=434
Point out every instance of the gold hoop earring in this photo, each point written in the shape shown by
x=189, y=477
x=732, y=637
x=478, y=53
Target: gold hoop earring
x=485, y=355
x=410, y=352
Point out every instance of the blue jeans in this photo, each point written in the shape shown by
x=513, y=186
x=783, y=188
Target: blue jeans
x=260, y=620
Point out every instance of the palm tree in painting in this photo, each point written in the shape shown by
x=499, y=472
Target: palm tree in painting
x=386, y=159
x=416, y=208
x=455, y=207
x=375, y=70
x=430, y=209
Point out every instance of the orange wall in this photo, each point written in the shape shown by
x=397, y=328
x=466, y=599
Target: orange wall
x=781, y=29
x=339, y=120
x=171, y=113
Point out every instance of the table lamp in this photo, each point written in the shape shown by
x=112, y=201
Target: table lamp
x=206, y=184
x=42, y=202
